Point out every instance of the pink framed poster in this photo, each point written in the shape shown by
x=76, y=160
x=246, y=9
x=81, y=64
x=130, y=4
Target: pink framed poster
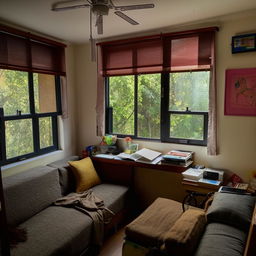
x=240, y=92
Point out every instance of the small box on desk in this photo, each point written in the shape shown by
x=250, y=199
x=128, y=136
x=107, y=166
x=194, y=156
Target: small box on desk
x=213, y=174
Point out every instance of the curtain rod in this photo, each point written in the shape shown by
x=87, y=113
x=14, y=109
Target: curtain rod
x=157, y=36
x=29, y=35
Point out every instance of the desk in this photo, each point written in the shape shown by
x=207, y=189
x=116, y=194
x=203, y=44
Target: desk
x=122, y=171
x=197, y=189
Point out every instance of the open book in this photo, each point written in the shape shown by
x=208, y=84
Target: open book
x=142, y=155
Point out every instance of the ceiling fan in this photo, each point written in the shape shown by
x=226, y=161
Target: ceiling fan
x=100, y=8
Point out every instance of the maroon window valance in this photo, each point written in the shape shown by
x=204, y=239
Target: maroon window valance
x=132, y=57
x=182, y=51
x=27, y=52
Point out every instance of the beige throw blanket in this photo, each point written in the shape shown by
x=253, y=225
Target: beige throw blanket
x=92, y=206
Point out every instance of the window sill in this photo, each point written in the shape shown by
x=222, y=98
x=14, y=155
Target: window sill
x=29, y=162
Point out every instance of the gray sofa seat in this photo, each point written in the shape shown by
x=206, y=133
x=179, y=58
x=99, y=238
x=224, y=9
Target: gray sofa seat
x=114, y=196
x=221, y=239
x=55, y=231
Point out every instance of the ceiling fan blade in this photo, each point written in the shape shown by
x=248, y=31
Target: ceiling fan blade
x=69, y=5
x=126, y=18
x=134, y=7
x=99, y=24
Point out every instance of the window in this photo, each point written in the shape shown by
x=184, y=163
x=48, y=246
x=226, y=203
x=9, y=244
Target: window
x=157, y=87
x=134, y=106
x=30, y=70
x=30, y=108
x=185, y=108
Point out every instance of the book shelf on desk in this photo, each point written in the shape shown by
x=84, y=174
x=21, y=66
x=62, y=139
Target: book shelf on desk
x=199, y=187
x=185, y=165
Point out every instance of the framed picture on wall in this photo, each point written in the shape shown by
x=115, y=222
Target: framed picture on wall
x=244, y=43
x=240, y=92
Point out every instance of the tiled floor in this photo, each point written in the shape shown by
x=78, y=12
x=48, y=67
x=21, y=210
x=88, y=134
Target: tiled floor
x=113, y=245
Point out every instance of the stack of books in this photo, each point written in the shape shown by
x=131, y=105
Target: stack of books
x=193, y=174
x=178, y=157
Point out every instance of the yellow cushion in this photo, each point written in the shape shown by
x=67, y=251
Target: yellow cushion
x=85, y=173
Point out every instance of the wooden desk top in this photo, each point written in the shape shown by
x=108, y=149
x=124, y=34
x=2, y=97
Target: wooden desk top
x=133, y=164
x=200, y=187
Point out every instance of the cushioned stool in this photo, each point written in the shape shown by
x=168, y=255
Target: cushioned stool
x=148, y=230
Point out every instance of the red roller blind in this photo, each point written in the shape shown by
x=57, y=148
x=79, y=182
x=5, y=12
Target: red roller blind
x=181, y=51
x=132, y=57
x=47, y=58
x=192, y=52
x=27, y=52
x=14, y=52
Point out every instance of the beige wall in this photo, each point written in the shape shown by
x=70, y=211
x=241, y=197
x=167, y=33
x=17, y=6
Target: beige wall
x=67, y=135
x=236, y=134
x=86, y=72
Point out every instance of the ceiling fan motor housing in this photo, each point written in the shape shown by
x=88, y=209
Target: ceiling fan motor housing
x=100, y=7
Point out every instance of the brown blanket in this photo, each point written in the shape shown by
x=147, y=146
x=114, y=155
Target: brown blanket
x=92, y=206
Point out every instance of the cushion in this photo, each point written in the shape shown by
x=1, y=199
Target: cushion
x=56, y=231
x=156, y=220
x=221, y=239
x=67, y=178
x=85, y=173
x=183, y=237
x=232, y=209
x=29, y=192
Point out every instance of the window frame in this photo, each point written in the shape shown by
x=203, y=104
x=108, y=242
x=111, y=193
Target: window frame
x=34, y=117
x=165, y=115
x=109, y=113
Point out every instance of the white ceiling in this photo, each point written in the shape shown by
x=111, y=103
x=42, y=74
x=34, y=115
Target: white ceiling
x=73, y=25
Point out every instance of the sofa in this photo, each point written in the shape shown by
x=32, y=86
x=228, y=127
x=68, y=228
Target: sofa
x=55, y=230
x=163, y=228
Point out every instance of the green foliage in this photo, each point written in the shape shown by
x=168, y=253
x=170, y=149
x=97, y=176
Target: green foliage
x=188, y=89
x=36, y=92
x=121, y=92
x=45, y=131
x=149, y=97
x=187, y=126
x=14, y=91
x=19, y=139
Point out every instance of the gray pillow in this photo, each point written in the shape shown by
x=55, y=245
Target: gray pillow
x=232, y=209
